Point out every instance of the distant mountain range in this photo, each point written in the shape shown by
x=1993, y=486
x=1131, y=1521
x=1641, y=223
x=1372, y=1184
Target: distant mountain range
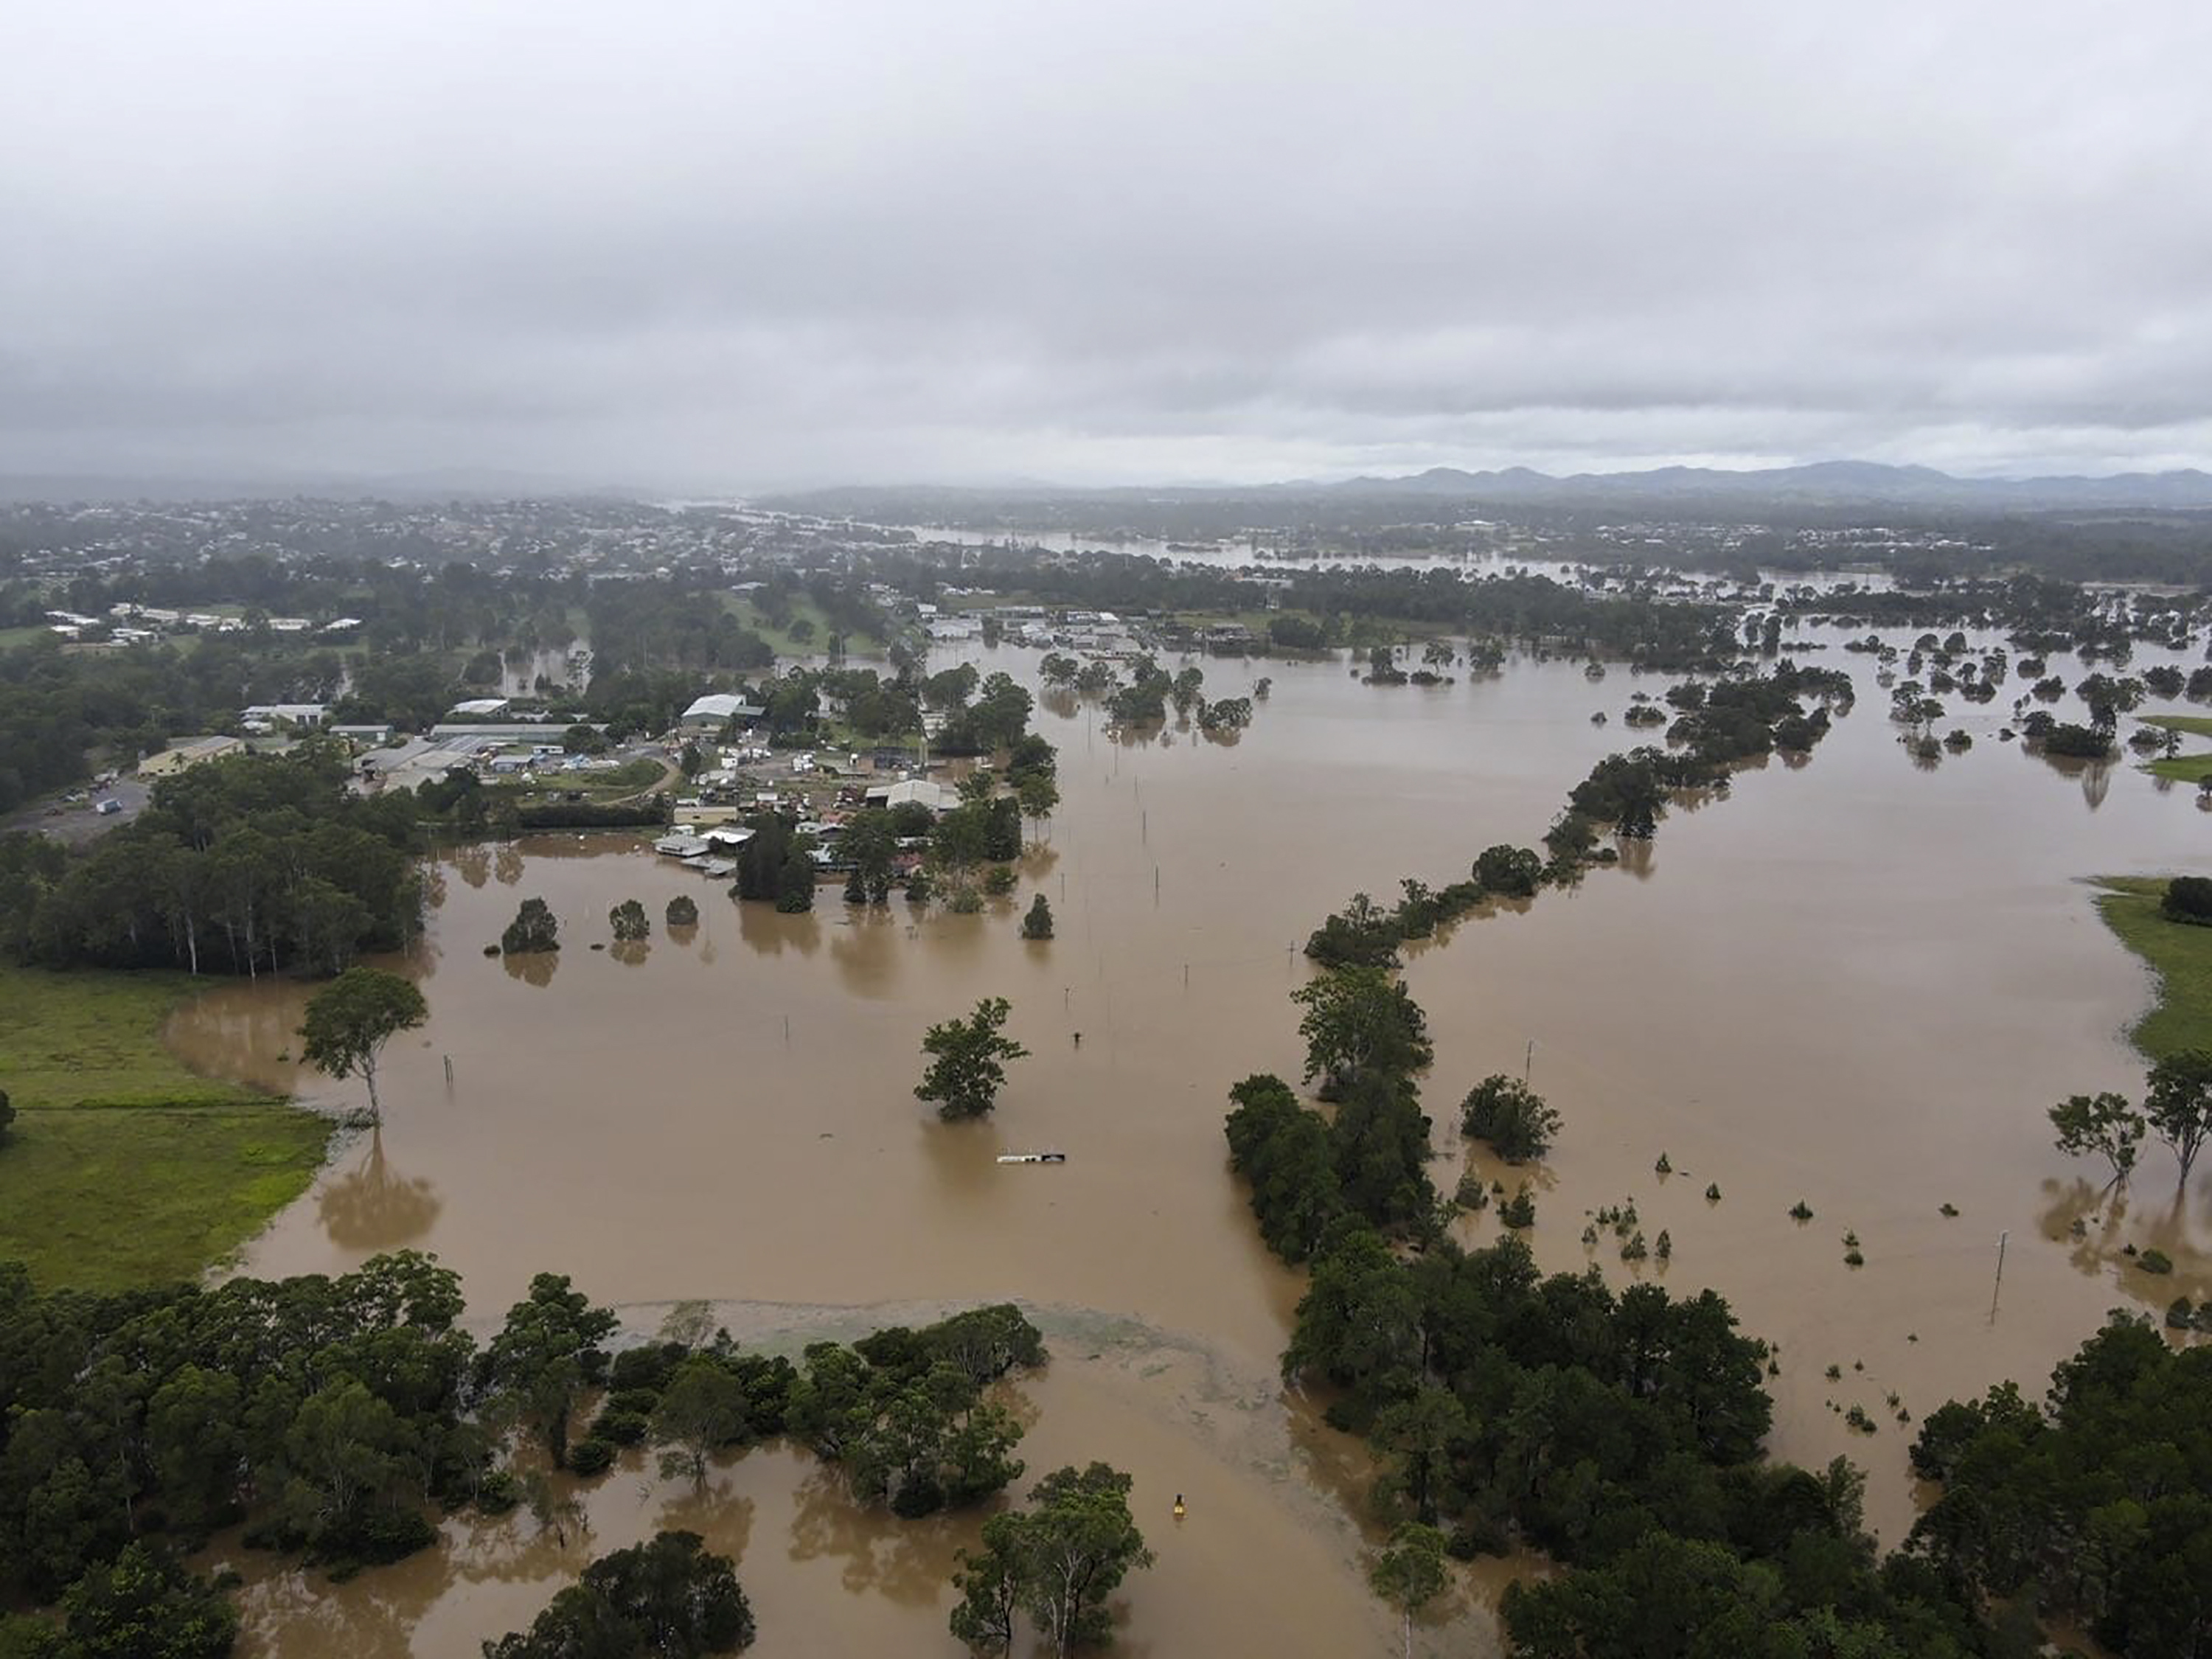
x=1672, y=489
x=1822, y=481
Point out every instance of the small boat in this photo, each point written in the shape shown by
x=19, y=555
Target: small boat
x=1033, y=1158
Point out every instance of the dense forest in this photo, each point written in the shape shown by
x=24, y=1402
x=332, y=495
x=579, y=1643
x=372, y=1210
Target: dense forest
x=335, y=1418
x=240, y=865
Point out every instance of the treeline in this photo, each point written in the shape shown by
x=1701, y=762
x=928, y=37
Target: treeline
x=335, y=1417
x=1620, y=1433
x=245, y=863
x=1719, y=724
x=60, y=709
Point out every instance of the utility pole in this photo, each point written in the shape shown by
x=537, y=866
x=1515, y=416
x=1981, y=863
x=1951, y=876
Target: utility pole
x=1999, y=1284
x=1529, y=1062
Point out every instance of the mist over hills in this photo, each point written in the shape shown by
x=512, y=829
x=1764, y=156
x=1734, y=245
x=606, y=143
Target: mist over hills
x=1825, y=484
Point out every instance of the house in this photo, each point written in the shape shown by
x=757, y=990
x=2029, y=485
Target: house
x=480, y=708
x=178, y=755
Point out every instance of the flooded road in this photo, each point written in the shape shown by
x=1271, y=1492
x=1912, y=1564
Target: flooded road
x=1858, y=982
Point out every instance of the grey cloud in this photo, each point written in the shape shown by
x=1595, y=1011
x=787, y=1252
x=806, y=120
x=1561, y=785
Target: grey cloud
x=743, y=245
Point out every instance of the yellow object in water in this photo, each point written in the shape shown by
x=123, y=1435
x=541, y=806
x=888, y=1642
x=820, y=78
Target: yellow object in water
x=1178, y=1506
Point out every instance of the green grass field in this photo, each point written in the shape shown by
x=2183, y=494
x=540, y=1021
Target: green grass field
x=780, y=641
x=124, y=1168
x=2179, y=954
x=2182, y=768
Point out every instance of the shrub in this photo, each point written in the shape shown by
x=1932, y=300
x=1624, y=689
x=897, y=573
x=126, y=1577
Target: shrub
x=590, y=1457
x=1518, y=1211
x=2188, y=898
x=1801, y=1211
x=620, y=1428
x=2155, y=1261
x=500, y=1493
x=683, y=911
x=534, y=928
x=1516, y=1123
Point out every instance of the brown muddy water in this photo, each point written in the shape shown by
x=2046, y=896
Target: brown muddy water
x=1857, y=982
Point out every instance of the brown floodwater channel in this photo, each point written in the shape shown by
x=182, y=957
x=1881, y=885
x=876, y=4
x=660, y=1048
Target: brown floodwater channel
x=1857, y=982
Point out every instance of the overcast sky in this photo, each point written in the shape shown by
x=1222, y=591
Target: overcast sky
x=722, y=243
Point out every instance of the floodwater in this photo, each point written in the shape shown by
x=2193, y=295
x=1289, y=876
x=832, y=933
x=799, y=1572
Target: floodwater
x=1858, y=982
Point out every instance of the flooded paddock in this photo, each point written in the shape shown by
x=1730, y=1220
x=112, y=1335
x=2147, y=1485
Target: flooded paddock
x=1858, y=982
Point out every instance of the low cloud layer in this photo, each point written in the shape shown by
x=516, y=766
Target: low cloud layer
x=705, y=245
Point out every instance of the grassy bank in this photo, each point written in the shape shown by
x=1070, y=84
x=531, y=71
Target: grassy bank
x=123, y=1167
x=2182, y=768
x=2179, y=954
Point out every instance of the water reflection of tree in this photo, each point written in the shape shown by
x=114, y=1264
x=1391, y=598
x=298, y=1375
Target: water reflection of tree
x=507, y=864
x=516, y=1549
x=532, y=967
x=866, y=952
x=371, y=1616
x=2097, y=1224
x=906, y=1562
x=725, y=1519
x=372, y=1208
x=630, y=952
x=771, y=933
x=473, y=860
x=681, y=934
x=1637, y=856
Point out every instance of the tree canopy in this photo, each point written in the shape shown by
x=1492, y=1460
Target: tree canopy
x=348, y=1021
x=966, y=1068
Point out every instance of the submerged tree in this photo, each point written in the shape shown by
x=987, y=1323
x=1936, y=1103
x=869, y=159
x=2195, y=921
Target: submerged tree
x=534, y=928
x=1517, y=1123
x=349, y=1020
x=1410, y=1572
x=671, y=1598
x=2105, y=1124
x=1055, y=1563
x=546, y=1355
x=630, y=921
x=1038, y=923
x=1358, y=1019
x=969, y=1065
x=2178, y=1105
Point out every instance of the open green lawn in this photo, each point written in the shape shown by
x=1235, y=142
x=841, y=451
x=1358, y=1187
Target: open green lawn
x=741, y=606
x=12, y=637
x=2179, y=954
x=124, y=1168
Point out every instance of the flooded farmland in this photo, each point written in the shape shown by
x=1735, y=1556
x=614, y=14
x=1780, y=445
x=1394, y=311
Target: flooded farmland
x=1857, y=982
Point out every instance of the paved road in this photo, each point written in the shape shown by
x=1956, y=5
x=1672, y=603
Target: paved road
x=77, y=822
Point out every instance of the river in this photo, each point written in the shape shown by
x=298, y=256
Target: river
x=1858, y=982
